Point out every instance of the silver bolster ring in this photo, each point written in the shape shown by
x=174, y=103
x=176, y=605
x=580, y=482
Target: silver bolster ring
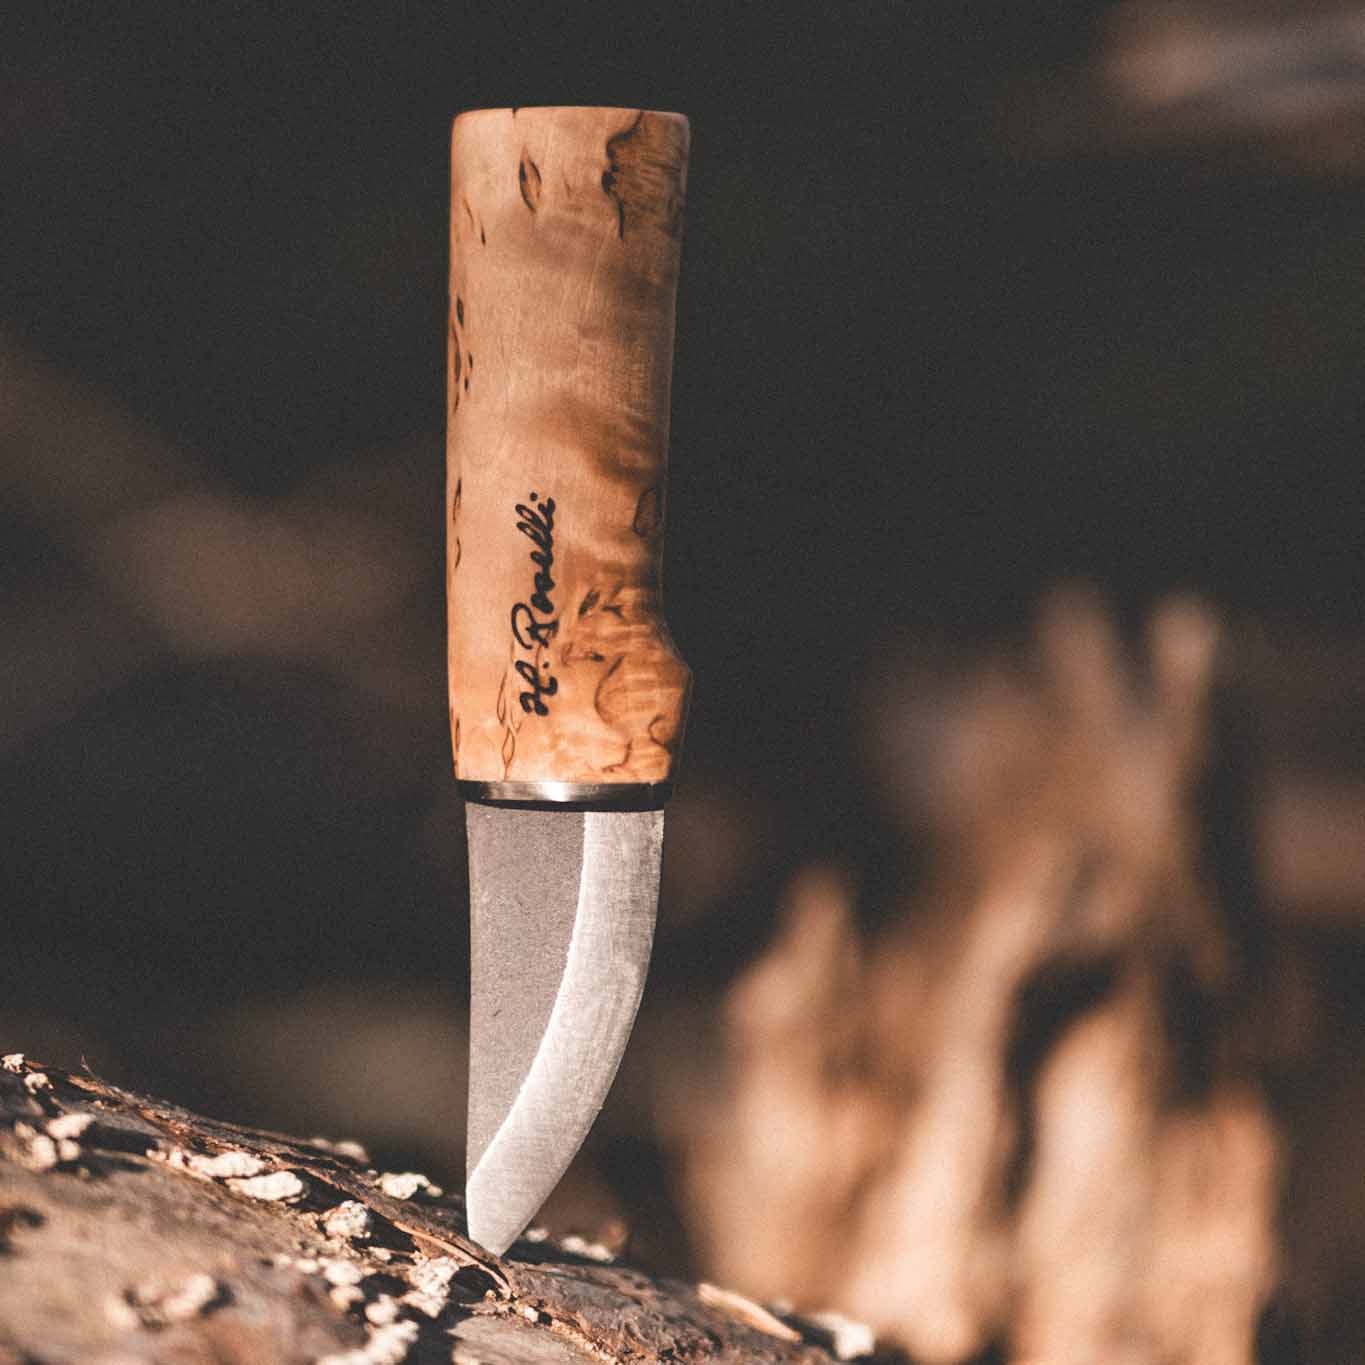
x=578, y=795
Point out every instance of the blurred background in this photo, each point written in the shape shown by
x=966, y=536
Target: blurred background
x=1012, y=947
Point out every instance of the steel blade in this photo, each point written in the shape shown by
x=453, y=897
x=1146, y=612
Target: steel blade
x=562, y=909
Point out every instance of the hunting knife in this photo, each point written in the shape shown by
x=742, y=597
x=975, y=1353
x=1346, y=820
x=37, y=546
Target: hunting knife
x=567, y=697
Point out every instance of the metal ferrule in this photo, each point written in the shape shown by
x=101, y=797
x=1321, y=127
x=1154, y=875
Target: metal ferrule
x=569, y=795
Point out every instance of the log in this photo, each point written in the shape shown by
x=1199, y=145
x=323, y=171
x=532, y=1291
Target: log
x=132, y=1230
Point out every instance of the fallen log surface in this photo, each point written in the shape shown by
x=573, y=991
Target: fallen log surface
x=132, y=1230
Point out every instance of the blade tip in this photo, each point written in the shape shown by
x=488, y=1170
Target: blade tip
x=495, y=1245
x=487, y=1228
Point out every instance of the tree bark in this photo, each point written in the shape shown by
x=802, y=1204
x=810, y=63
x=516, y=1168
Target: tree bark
x=132, y=1230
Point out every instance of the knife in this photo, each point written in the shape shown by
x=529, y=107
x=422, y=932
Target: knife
x=567, y=697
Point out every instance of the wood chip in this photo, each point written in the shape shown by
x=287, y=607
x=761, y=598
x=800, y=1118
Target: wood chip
x=283, y=1185
x=225, y=1165
x=746, y=1310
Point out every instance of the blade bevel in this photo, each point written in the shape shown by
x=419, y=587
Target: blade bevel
x=562, y=921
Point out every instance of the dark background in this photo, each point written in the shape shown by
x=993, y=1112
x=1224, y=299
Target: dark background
x=930, y=361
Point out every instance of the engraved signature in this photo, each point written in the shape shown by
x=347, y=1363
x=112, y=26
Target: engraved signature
x=534, y=622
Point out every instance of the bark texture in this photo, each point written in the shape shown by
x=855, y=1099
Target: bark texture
x=132, y=1230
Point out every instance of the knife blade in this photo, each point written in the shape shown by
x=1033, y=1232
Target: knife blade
x=567, y=696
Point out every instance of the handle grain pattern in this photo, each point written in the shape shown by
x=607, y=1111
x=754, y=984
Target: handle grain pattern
x=565, y=235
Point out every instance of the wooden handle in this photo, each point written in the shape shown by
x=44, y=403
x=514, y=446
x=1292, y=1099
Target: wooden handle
x=565, y=235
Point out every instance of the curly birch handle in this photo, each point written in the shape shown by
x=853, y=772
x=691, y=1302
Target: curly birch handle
x=565, y=235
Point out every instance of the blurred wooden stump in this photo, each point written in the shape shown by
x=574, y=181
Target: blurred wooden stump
x=1028, y=1117
x=132, y=1230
